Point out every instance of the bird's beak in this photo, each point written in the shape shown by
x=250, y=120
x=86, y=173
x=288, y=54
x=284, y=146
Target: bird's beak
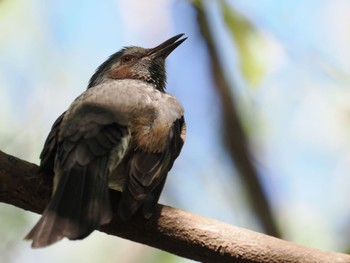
x=164, y=49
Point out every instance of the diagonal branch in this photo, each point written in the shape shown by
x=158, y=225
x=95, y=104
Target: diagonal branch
x=173, y=230
x=236, y=140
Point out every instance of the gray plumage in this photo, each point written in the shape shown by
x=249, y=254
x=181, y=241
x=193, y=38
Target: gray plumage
x=124, y=132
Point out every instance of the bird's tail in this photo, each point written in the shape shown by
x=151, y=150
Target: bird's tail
x=79, y=205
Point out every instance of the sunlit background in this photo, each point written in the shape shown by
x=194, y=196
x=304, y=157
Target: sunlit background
x=288, y=63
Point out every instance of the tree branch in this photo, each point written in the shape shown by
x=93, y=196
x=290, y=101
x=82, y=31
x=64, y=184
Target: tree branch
x=173, y=230
x=236, y=141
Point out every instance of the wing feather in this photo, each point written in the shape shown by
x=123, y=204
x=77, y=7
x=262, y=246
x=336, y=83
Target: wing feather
x=48, y=153
x=80, y=202
x=148, y=172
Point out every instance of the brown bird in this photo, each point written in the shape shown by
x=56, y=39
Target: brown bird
x=124, y=132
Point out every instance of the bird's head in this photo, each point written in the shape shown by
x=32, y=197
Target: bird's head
x=147, y=64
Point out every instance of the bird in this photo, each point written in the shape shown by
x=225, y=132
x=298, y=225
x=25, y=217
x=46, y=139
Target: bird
x=123, y=132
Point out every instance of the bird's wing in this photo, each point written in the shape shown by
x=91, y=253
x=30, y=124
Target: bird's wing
x=148, y=172
x=80, y=202
x=47, y=155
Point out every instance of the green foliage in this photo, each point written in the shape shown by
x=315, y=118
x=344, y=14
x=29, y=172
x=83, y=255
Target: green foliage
x=13, y=223
x=248, y=40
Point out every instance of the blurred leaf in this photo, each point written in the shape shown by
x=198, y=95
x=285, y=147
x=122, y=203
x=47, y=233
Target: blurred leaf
x=13, y=223
x=246, y=37
x=162, y=257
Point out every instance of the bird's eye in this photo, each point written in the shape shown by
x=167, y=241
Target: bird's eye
x=127, y=58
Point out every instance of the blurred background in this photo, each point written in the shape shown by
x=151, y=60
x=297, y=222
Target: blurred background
x=266, y=88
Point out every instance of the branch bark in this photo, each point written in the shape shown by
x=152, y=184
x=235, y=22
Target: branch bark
x=173, y=230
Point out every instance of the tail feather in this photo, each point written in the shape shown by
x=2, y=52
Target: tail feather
x=50, y=229
x=79, y=205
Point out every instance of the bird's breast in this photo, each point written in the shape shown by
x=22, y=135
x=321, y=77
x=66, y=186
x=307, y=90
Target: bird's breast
x=150, y=128
x=148, y=113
